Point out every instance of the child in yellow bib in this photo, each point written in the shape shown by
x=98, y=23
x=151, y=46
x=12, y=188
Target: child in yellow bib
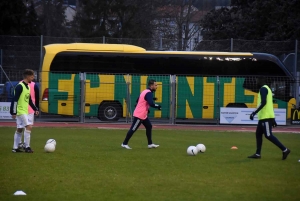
x=19, y=111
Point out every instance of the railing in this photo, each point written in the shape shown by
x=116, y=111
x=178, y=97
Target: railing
x=19, y=52
x=111, y=97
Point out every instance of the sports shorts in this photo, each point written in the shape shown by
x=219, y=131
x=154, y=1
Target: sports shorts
x=23, y=121
x=31, y=118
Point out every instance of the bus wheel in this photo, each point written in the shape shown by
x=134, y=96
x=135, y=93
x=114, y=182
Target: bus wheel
x=109, y=111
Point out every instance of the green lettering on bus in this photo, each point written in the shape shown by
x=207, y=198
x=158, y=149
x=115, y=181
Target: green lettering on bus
x=76, y=96
x=218, y=92
x=94, y=83
x=163, y=99
x=120, y=90
x=136, y=88
x=54, y=94
x=184, y=93
x=240, y=96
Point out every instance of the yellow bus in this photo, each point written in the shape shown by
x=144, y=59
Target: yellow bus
x=115, y=74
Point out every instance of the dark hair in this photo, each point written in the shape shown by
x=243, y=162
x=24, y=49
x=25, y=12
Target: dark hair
x=151, y=82
x=28, y=72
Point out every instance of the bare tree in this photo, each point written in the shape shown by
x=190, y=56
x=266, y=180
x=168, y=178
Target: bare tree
x=114, y=18
x=91, y=20
x=53, y=19
x=179, y=22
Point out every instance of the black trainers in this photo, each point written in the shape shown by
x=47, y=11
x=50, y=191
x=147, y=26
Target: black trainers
x=28, y=150
x=285, y=154
x=256, y=156
x=16, y=150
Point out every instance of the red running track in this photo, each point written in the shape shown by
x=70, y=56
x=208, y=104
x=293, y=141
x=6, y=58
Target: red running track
x=237, y=128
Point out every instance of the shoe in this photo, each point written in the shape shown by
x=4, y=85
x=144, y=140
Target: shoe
x=285, y=154
x=28, y=150
x=21, y=146
x=150, y=146
x=256, y=156
x=125, y=146
x=16, y=150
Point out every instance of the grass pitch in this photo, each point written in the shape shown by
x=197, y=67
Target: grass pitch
x=89, y=164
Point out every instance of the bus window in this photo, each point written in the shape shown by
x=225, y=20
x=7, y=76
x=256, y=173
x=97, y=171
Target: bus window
x=160, y=64
x=280, y=89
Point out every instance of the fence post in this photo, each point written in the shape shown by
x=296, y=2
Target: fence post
x=297, y=89
x=231, y=44
x=82, y=97
x=40, y=68
x=173, y=99
x=1, y=65
x=296, y=75
x=103, y=39
x=41, y=51
x=128, y=100
x=218, y=100
x=160, y=43
x=296, y=52
x=171, y=95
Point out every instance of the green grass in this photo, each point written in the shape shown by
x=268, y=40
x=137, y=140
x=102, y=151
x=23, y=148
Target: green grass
x=89, y=164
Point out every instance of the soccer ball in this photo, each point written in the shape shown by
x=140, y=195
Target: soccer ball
x=201, y=148
x=49, y=148
x=21, y=146
x=52, y=141
x=192, y=151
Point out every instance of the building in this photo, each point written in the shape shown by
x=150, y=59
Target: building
x=178, y=27
x=68, y=5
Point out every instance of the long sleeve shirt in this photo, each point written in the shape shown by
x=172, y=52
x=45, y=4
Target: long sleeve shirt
x=263, y=94
x=149, y=99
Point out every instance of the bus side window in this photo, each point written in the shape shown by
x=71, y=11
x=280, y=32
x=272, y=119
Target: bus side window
x=280, y=89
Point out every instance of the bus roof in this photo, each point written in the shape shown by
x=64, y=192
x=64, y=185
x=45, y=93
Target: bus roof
x=201, y=53
x=93, y=47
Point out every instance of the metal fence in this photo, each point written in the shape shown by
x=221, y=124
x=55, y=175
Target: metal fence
x=19, y=52
x=182, y=97
x=86, y=97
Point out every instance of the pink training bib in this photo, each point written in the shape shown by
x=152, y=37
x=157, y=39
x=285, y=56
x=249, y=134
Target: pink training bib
x=141, y=110
x=32, y=95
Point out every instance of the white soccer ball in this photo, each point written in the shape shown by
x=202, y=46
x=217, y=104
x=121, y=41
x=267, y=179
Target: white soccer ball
x=192, y=151
x=49, y=148
x=201, y=148
x=52, y=141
